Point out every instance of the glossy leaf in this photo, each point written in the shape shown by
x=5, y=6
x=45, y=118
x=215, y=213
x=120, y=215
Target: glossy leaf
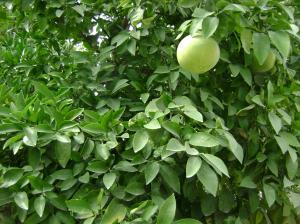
x=140, y=140
x=63, y=152
x=11, y=177
x=216, y=162
x=39, y=205
x=21, y=200
x=281, y=40
x=115, y=212
x=167, y=211
x=151, y=171
x=170, y=177
x=204, y=139
x=261, y=46
x=275, y=122
x=208, y=178
x=187, y=221
x=175, y=146
x=109, y=179
x=209, y=26
x=192, y=166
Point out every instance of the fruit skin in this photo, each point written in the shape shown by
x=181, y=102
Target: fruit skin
x=198, y=54
x=266, y=66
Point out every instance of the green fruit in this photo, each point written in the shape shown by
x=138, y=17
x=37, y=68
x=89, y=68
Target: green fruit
x=198, y=54
x=266, y=66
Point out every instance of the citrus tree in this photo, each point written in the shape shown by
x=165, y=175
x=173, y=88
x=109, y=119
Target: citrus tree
x=100, y=124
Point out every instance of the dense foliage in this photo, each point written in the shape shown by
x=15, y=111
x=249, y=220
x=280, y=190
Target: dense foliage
x=99, y=124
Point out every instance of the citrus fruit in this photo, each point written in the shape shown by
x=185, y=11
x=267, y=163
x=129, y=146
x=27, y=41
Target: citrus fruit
x=198, y=54
x=266, y=66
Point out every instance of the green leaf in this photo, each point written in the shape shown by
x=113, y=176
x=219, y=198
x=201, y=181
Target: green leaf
x=97, y=166
x=63, y=153
x=5, y=197
x=273, y=166
x=144, y=97
x=192, y=166
x=102, y=151
x=290, y=139
x=93, y=128
x=162, y=69
x=136, y=15
x=226, y=201
x=120, y=38
x=39, y=185
x=247, y=182
x=115, y=212
x=204, y=139
x=43, y=89
x=287, y=183
x=21, y=200
x=281, y=41
x=11, y=177
x=62, y=174
x=78, y=206
x=151, y=171
x=175, y=146
x=257, y=99
x=270, y=194
x=167, y=211
x=172, y=127
x=131, y=47
x=59, y=13
x=85, y=178
x=216, y=162
x=193, y=113
x=34, y=158
x=187, y=221
x=208, y=204
x=294, y=198
x=254, y=200
x=135, y=188
x=208, y=178
x=187, y=3
x=8, y=128
x=284, y=146
x=235, y=69
x=209, y=26
x=62, y=138
x=153, y=125
x=275, y=122
x=125, y=166
x=39, y=205
x=79, y=138
x=170, y=177
x=285, y=116
x=236, y=8
x=80, y=9
x=109, y=179
x=30, y=137
x=234, y=147
x=247, y=76
x=246, y=39
x=87, y=149
x=89, y=220
x=292, y=167
x=122, y=83
x=140, y=140
x=261, y=46
x=73, y=114
x=201, y=13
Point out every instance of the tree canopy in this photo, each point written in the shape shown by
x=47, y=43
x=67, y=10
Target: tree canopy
x=100, y=124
